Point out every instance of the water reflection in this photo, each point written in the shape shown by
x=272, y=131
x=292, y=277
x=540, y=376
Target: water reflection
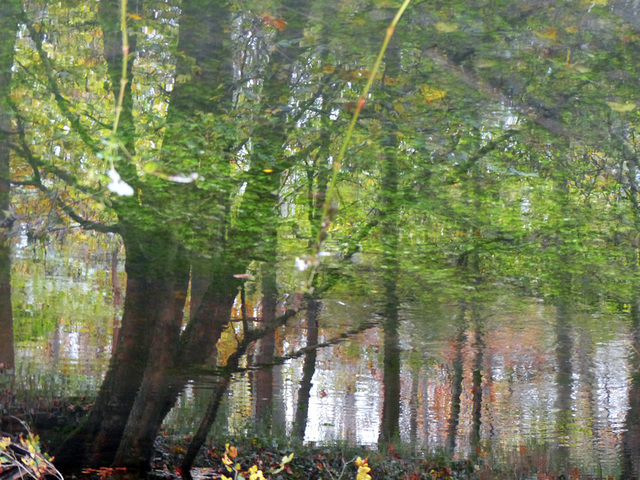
x=63, y=317
x=64, y=314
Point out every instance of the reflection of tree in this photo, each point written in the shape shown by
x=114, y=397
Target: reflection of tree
x=390, y=212
x=456, y=382
x=478, y=364
x=117, y=297
x=414, y=405
x=263, y=385
x=308, y=369
x=250, y=233
x=561, y=290
x=631, y=436
x=8, y=29
x=564, y=373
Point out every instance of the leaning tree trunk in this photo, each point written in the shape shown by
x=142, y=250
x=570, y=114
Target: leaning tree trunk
x=97, y=440
x=169, y=292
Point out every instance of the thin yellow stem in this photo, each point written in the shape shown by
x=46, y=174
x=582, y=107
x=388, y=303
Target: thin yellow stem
x=329, y=208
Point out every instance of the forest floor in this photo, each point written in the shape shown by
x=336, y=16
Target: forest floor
x=341, y=462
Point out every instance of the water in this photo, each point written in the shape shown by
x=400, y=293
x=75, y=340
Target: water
x=66, y=315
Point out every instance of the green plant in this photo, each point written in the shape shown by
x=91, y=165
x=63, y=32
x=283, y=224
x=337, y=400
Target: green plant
x=25, y=459
x=254, y=473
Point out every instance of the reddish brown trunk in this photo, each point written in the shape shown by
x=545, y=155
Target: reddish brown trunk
x=97, y=440
x=136, y=446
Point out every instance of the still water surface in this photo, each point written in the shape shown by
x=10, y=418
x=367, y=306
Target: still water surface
x=66, y=313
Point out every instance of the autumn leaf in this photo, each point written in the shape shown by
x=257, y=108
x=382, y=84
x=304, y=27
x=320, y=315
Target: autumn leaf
x=430, y=93
x=134, y=16
x=444, y=27
x=549, y=33
x=622, y=107
x=277, y=23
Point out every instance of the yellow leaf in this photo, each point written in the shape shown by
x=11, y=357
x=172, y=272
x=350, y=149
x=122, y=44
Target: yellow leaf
x=622, y=107
x=134, y=16
x=430, y=94
x=581, y=69
x=550, y=33
x=444, y=27
x=287, y=458
x=485, y=64
x=398, y=106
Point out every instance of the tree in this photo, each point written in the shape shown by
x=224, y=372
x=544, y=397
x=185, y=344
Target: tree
x=8, y=31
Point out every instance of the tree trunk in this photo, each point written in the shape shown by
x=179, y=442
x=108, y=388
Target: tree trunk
x=267, y=344
x=8, y=30
x=478, y=362
x=456, y=384
x=97, y=440
x=631, y=435
x=308, y=369
x=390, y=210
x=170, y=292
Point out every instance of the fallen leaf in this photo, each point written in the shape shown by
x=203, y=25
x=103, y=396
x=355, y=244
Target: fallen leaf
x=622, y=107
x=550, y=33
x=444, y=27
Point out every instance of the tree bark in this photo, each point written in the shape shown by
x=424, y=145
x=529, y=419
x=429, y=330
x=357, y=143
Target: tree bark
x=308, y=370
x=97, y=440
x=389, y=211
x=631, y=435
x=456, y=384
x=170, y=292
x=8, y=30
